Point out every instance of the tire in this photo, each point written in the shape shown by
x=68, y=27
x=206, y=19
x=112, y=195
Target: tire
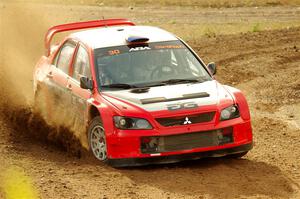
x=237, y=155
x=97, y=139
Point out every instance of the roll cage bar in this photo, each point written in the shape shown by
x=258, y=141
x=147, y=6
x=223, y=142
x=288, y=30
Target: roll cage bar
x=82, y=25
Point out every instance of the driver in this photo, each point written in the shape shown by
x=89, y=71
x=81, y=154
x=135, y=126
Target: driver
x=165, y=69
x=103, y=72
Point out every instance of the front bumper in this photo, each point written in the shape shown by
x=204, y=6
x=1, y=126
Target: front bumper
x=125, y=162
x=127, y=144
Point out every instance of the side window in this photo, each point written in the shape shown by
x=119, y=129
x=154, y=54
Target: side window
x=81, y=64
x=65, y=56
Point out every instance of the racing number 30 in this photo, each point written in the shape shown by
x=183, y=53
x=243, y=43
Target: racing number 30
x=186, y=105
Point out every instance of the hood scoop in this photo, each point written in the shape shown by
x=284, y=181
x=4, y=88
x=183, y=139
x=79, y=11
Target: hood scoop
x=163, y=99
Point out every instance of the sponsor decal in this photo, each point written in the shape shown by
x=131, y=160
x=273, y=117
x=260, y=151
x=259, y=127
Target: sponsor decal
x=186, y=105
x=114, y=52
x=118, y=50
x=168, y=46
x=139, y=48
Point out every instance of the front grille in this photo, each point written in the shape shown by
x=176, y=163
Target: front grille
x=181, y=120
x=157, y=144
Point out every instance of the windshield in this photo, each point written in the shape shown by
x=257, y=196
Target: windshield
x=149, y=65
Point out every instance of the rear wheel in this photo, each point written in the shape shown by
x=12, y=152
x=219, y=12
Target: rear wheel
x=97, y=139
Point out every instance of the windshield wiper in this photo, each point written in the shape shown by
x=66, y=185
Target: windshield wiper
x=152, y=84
x=145, y=87
x=179, y=81
x=124, y=86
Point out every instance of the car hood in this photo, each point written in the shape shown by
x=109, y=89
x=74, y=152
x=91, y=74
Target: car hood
x=162, y=97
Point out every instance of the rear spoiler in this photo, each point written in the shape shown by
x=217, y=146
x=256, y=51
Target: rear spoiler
x=82, y=25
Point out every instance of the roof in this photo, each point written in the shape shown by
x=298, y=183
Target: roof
x=117, y=35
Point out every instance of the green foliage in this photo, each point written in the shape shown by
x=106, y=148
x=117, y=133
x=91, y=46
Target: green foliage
x=209, y=32
x=256, y=28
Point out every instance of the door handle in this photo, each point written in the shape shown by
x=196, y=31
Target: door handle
x=50, y=75
x=69, y=86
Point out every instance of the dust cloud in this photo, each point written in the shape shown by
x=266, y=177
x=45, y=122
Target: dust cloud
x=22, y=30
x=21, y=45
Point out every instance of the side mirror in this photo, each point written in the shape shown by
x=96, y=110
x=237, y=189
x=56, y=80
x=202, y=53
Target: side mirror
x=212, y=68
x=86, y=83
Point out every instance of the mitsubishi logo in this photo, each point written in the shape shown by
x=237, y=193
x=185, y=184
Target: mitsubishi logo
x=187, y=121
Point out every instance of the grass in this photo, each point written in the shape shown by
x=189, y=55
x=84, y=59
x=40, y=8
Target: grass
x=183, y=3
x=256, y=28
x=210, y=32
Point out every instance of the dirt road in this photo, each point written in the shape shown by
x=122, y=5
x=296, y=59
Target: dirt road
x=265, y=65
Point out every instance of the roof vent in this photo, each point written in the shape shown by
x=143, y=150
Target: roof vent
x=137, y=39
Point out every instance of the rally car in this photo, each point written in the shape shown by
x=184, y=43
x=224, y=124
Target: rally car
x=142, y=94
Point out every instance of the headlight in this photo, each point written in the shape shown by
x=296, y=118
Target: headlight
x=230, y=113
x=131, y=123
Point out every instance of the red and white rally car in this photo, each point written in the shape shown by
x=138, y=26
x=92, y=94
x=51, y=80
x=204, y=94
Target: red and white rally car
x=143, y=94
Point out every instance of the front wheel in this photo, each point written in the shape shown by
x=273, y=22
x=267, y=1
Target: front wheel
x=97, y=139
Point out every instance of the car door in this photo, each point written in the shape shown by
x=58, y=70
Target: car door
x=79, y=96
x=59, y=76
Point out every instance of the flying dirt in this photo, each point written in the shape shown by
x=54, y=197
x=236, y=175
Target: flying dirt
x=265, y=65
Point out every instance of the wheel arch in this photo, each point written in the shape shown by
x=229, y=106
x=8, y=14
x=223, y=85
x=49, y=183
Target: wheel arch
x=241, y=100
x=93, y=112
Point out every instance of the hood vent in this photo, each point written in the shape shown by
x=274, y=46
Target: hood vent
x=163, y=99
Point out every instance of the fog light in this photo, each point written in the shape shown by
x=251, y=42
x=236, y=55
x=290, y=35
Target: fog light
x=149, y=144
x=146, y=140
x=228, y=130
x=225, y=136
